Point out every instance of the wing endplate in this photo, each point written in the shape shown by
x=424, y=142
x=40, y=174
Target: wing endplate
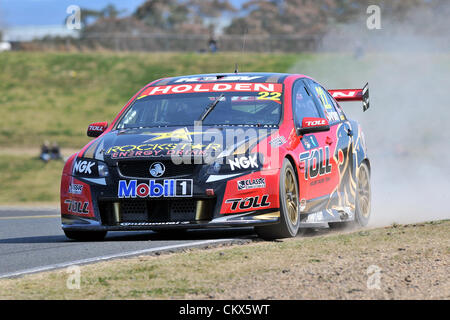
x=352, y=95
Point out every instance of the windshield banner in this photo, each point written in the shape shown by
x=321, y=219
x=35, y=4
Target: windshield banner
x=212, y=87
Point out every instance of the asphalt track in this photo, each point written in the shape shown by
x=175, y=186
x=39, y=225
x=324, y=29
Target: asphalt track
x=32, y=241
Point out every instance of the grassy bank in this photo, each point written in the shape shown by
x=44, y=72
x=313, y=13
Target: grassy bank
x=26, y=179
x=331, y=266
x=55, y=96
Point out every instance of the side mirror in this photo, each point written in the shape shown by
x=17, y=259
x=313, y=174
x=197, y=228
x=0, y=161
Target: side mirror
x=96, y=129
x=310, y=125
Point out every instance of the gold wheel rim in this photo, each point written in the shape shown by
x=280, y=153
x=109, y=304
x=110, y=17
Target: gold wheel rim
x=364, y=192
x=291, y=196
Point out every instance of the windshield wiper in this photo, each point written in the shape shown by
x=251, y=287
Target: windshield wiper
x=210, y=108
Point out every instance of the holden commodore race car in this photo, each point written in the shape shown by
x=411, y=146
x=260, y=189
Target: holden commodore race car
x=268, y=150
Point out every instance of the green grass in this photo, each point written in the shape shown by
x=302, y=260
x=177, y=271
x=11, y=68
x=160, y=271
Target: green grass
x=28, y=179
x=54, y=96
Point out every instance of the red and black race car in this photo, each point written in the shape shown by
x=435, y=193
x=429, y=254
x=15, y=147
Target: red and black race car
x=269, y=150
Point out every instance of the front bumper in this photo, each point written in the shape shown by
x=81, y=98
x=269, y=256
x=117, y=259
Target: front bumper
x=254, y=218
x=88, y=204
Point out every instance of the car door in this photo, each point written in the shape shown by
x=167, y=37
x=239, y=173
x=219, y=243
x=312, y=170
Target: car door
x=346, y=134
x=339, y=143
x=311, y=150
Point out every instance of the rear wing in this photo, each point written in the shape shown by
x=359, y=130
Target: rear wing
x=352, y=95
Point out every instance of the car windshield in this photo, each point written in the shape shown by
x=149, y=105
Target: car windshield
x=233, y=108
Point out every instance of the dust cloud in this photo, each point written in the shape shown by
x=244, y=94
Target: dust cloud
x=407, y=65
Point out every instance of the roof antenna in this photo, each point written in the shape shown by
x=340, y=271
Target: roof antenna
x=236, y=69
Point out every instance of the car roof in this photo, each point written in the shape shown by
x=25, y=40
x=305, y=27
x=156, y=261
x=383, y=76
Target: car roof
x=257, y=77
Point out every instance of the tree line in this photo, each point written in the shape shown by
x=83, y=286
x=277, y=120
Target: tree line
x=257, y=25
x=254, y=17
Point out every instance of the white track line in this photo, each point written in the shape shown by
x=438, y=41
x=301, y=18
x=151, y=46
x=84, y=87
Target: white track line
x=112, y=256
x=30, y=217
x=30, y=209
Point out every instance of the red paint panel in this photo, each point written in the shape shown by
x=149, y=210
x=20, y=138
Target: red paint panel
x=252, y=190
x=76, y=197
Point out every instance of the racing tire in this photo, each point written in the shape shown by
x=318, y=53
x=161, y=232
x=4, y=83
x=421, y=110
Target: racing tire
x=363, y=196
x=362, y=202
x=85, y=235
x=289, y=207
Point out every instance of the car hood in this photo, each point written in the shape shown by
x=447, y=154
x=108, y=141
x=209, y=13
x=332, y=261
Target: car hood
x=211, y=142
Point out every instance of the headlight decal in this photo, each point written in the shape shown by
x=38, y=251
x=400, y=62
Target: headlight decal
x=89, y=168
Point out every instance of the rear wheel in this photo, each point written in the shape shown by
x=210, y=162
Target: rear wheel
x=85, y=235
x=289, y=205
x=362, y=202
x=363, y=196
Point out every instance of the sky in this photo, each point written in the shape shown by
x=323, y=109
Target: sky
x=53, y=12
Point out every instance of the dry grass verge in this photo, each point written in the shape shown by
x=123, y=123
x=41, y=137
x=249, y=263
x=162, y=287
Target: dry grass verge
x=413, y=263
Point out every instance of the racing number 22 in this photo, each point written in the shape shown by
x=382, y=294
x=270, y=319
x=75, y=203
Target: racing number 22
x=274, y=96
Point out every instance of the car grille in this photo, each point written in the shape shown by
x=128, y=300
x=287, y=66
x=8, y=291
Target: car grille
x=134, y=210
x=141, y=169
x=172, y=210
x=181, y=209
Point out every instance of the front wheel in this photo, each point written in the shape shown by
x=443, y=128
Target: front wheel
x=85, y=235
x=289, y=205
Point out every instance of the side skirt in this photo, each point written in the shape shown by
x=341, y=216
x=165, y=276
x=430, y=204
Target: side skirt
x=320, y=219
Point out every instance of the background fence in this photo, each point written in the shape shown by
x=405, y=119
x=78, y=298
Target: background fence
x=173, y=42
